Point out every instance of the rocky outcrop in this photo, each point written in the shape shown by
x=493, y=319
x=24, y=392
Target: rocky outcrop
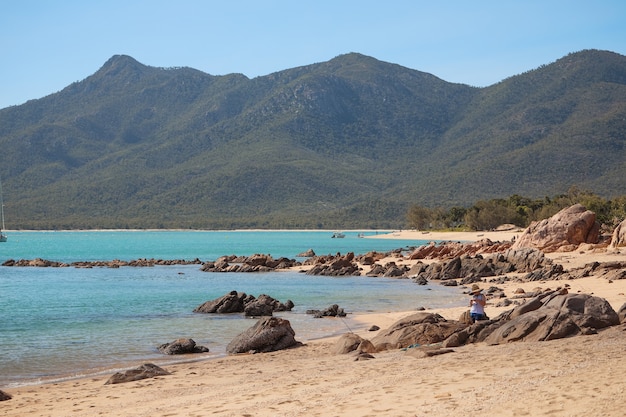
x=389, y=270
x=556, y=317
x=269, y=334
x=450, y=250
x=116, y=263
x=147, y=370
x=550, y=315
x=618, y=239
x=473, y=269
x=181, y=347
x=564, y=231
x=236, y=302
x=338, y=265
x=254, y=263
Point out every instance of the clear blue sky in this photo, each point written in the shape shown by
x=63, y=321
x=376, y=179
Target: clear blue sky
x=48, y=44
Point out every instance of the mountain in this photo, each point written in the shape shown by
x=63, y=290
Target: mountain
x=351, y=142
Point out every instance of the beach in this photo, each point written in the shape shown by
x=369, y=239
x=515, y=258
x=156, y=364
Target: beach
x=580, y=376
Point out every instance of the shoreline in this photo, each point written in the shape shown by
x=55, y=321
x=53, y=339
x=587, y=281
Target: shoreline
x=520, y=378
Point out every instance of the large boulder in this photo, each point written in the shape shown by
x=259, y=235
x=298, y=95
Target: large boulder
x=4, y=396
x=147, y=370
x=421, y=328
x=618, y=239
x=267, y=335
x=564, y=231
x=182, y=346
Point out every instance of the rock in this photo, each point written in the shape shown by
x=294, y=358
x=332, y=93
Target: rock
x=346, y=343
x=564, y=231
x=147, y=370
x=374, y=328
x=4, y=396
x=267, y=335
x=621, y=314
x=229, y=303
x=366, y=346
x=618, y=239
x=181, y=346
x=363, y=356
x=420, y=328
x=306, y=254
x=427, y=353
x=265, y=305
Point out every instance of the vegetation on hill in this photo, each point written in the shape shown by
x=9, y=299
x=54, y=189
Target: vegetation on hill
x=349, y=143
x=518, y=211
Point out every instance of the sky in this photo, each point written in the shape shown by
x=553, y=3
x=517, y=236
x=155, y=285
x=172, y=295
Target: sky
x=45, y=45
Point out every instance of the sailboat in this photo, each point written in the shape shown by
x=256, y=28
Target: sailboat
x=3, y=237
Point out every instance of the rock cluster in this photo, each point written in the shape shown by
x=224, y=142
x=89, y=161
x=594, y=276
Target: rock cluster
x=337, y=265
x=468, y=270
x=236, y=302
x=449, y=250
x=550, y=315
x=116, y=263
x=254, y=263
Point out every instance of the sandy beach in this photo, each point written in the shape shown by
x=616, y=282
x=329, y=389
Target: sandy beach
x=580, y=376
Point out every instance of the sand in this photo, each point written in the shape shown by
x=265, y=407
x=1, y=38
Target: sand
x=580, y=376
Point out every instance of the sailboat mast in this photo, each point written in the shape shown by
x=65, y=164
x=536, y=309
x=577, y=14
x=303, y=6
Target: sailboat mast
x=1, y=208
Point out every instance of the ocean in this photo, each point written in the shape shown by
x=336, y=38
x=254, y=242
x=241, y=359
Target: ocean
x=61, y=323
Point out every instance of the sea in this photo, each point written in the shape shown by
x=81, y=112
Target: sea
x=64, y=323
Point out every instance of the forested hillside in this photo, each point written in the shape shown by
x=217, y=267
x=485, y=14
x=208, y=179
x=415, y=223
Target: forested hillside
x=352, y=142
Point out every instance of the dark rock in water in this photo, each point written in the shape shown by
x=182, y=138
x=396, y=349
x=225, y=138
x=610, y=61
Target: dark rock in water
x=4, y=396
x=181, y=347
x=265, y=305
x=335, y=266
x=235, y=302
x=254, y=263
x=269, y=334
x=306, y=254
x=147, y=370
x=332, y=311
x=229, y=303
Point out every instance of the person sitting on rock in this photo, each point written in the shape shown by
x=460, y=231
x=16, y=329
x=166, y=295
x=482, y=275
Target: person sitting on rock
x=477, y=304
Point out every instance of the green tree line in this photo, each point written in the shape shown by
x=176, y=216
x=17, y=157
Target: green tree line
x=517, y=210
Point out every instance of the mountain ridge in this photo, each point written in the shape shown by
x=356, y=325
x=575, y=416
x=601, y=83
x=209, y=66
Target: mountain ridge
x=352, y=141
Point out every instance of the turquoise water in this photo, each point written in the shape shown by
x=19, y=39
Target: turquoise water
x=65, y=322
